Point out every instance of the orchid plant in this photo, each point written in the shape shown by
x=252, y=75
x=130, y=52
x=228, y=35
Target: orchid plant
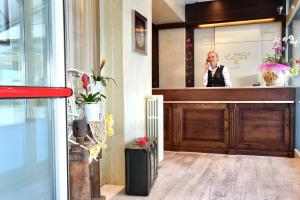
x=99, y=77
x=274, y=64
x=87, y=96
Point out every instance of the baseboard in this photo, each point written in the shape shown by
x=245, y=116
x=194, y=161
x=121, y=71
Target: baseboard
x=109, y=191
x=296, y=153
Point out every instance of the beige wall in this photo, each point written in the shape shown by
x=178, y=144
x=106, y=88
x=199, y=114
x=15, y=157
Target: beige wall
x=132, y=71
x=172, y=58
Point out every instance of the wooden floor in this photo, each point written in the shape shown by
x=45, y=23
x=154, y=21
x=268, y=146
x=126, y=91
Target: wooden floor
x=188, y=176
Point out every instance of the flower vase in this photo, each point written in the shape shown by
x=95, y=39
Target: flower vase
x=92, y=112
x=97, y=86
x=273, y=78
x=275, y=74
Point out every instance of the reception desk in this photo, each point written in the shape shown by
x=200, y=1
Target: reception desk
x=249, y=120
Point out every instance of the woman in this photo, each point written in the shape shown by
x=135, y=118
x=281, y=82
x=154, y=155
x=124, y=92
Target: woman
x=215, y=75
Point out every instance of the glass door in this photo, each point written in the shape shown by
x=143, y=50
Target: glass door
x=33, y=155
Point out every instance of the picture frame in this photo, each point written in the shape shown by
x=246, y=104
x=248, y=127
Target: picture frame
x=139, y=32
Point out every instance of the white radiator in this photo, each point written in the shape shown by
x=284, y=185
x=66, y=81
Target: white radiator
x=155, y=122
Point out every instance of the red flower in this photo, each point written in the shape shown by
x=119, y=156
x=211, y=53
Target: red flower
x=142, y=141
x=85, y=81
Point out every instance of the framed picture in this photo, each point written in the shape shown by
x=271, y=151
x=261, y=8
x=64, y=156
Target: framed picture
x=139, y=32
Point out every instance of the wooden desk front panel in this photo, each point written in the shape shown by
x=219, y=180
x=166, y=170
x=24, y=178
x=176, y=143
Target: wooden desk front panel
x=202, y=126
x=263, y=127
x=259, y=129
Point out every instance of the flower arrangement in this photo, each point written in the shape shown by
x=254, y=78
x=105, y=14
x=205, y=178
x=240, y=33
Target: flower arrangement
x=274, y=66
x=99, y=77
x=100, y=127
x=87, y=96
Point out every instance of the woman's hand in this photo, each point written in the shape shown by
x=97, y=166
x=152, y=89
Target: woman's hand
x=206, y=66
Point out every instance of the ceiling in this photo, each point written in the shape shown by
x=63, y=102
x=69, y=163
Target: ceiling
x=162, y=13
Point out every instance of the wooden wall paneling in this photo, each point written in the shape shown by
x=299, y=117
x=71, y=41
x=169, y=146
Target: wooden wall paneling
x=229, y=10
x=155, y=54
x=189, y=57
x=171, y=25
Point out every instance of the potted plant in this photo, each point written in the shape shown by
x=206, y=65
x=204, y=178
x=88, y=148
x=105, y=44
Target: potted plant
x=275, y=70
x=90, y=101
x=99, y=80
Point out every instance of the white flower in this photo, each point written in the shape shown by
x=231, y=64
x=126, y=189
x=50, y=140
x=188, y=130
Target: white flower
x=291, y=37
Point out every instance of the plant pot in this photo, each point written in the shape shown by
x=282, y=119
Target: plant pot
x=92, y=112
x=97, y=86
x=275, y=78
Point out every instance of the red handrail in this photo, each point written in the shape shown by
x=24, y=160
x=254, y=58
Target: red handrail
x=17, y=92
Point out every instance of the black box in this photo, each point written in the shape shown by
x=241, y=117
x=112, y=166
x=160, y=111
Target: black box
x=141, y=167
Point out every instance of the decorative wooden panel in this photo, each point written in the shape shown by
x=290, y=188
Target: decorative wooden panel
x=203, y=126
x=168, y=126
x=231, y=10
x=189, y=57
x=263, y=127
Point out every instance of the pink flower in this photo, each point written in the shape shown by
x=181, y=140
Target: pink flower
x=85, y=81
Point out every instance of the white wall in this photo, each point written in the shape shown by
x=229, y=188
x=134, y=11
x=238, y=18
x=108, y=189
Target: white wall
x=132, y=71
x=172, y=58
x=137, y=71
